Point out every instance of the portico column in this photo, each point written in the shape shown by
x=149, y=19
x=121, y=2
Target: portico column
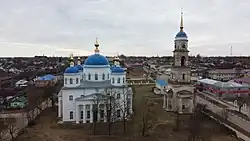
x=59, y=107
x=164, y=98
x=77, y=114
x=180, y=105
x=167, y=103
x=105, y=113
x=84, y=113
x=164, y=101
x=131, y=106
x=91, y=113
x=191, y=106
x=98, y=112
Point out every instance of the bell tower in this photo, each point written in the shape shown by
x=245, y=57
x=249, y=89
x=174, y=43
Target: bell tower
x=181, y=69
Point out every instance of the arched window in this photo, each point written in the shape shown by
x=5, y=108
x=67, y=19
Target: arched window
x=70, y=81
x=183, y=46
x=70, y=97
x=183, y=60
x=65, y=80
x=183, y=76
x=119, y=80
x=103, y=76
x=77, y=80
x=113, y=80
x=89, y=76
x=96, y=76
x=84, y=76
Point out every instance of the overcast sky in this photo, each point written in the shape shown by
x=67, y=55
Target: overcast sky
x=130, y=27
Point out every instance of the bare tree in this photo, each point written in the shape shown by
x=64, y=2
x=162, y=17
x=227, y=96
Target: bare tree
x=10, y=123
x=196, y=118
x=240, y=102
x=98, y=99
x=111, y=106
x=225, y=113
x=177, y=121
x=124, y=107
x=146, y=117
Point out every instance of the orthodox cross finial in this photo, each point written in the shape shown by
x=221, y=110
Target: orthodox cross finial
x=71, y=55
x=79, y=61
x=71, y=60
x=181, y=26
x=71, y=63
x=96, y=46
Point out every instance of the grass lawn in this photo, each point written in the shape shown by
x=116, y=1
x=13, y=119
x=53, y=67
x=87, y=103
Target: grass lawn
x=145, y=102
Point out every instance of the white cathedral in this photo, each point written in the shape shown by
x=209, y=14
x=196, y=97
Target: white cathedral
x=94, y=91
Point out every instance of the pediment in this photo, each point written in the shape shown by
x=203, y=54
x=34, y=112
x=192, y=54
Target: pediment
x=92, y=97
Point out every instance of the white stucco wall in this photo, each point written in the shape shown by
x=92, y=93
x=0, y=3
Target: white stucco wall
x=115, y=78
x=72, y=76
x=99, y=71
x=70, y=105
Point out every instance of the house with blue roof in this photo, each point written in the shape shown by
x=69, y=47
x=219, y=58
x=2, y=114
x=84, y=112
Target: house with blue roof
x=161, y=84
x=46, y=80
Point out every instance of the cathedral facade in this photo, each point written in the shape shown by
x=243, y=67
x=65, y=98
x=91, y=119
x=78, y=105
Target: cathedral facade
x=94, y=91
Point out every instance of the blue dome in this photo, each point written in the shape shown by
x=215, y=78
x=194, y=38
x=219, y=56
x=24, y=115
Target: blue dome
x=181, y=34
x=96, y=59
x=79, y=67
x=117, y=69
x=71, y=70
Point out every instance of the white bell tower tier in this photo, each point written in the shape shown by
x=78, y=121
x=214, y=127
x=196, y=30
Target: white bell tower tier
x=181, y=69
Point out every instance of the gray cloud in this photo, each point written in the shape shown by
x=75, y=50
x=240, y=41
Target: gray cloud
x=141, y=27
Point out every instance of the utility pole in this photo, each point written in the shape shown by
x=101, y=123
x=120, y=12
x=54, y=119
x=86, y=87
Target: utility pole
x=231, y=51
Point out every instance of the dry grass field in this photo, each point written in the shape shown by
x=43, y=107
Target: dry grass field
x=161, y=123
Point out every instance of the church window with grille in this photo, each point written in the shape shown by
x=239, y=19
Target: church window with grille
x=103, y=76
x=96, y=76
x=89, y=76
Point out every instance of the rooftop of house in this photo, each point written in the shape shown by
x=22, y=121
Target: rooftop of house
x=242, y=80
x=222, y=84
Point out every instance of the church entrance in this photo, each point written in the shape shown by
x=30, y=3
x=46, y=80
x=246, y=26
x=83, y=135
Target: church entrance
x=183, y=60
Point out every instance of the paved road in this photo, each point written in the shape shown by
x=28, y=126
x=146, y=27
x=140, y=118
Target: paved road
x=218, y=109
x=228, y=104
